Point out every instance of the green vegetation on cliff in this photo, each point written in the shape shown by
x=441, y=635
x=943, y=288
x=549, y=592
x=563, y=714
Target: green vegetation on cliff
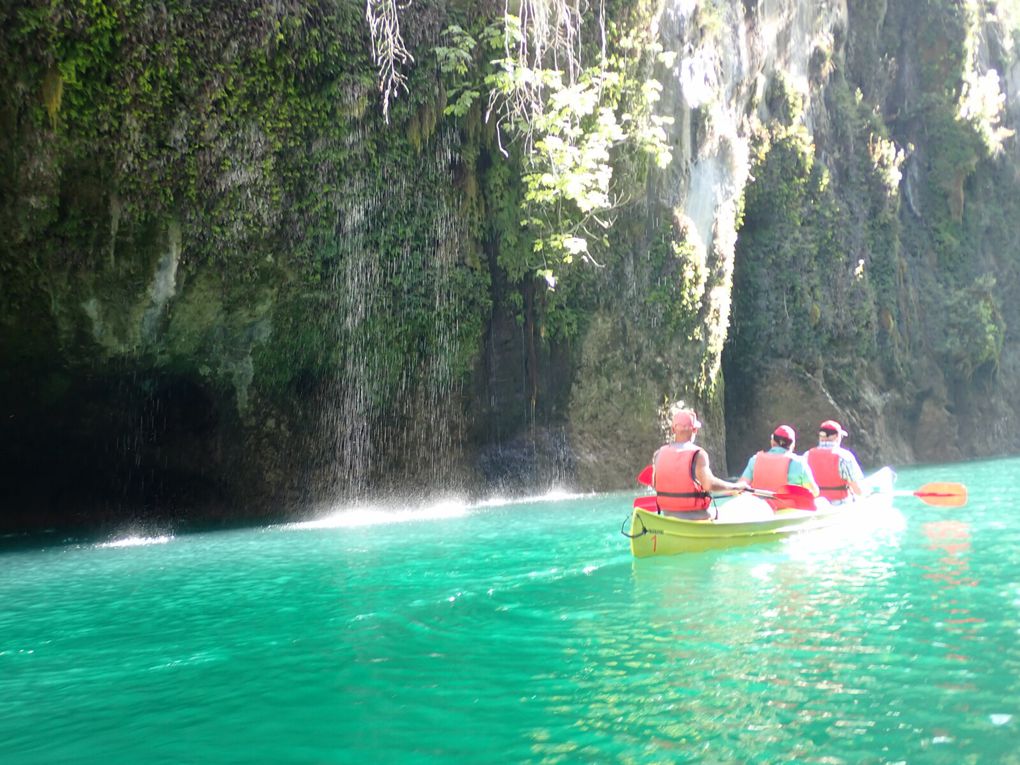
x=868, y=249
x=212, y=214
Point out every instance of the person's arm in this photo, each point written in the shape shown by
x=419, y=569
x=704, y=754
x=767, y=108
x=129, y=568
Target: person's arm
x=748, y=471
x=807, y=478
x=708, y=480
x=850, y=471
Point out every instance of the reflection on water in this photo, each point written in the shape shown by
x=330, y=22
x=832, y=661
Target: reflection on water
x=951, y=537
x=773, y=646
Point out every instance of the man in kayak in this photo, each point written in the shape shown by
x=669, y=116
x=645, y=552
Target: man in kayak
x=681, y=475
x=779, y=466
x=836, y=469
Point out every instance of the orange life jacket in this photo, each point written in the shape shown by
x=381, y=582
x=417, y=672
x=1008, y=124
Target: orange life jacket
x=824, y=464
x=771, y=471
x=676, y=488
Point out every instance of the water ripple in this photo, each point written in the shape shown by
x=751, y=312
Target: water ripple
x=521, y=632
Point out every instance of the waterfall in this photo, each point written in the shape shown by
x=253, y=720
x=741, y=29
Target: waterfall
x=382, y=406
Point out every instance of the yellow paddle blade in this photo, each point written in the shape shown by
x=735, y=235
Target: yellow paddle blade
x=942, y=494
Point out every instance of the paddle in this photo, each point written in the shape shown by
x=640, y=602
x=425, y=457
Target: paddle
x=790, y=496
x=645, y=476
x=940, y=494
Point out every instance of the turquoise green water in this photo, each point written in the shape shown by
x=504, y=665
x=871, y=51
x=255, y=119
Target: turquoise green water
x=522, y=633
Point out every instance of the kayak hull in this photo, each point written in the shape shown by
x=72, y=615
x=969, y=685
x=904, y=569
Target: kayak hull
x=653, y=534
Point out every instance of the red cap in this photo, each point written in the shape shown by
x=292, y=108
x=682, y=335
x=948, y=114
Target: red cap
x=686, y=419
x=832, y=425
x=784, y=431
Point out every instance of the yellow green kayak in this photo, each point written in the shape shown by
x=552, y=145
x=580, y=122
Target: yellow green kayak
x=746, y=519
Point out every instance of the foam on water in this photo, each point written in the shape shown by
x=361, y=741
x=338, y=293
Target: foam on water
x=137, y=541
x=368, y=515
x=351, y=516
x=553, y=495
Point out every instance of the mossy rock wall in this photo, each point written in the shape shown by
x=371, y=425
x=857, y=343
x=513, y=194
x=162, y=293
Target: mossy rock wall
x=875, y=268
x=229, y=289
x=226, y=281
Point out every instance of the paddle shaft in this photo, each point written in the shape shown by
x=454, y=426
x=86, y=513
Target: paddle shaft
x=797, y=496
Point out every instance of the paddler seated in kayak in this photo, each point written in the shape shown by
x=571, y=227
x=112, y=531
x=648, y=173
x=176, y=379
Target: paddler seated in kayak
x=779, y=466
x=836, y=469
x=681, y=475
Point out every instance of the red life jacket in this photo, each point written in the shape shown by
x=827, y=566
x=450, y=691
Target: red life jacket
x=824, y=464
x=676, y=488
x=771, y=471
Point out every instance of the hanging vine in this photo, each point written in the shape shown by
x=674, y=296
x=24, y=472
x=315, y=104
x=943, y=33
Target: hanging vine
x=563, y=90
x=569, y=102
x=388, y=50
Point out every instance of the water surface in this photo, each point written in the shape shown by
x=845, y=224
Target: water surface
x=522, y=633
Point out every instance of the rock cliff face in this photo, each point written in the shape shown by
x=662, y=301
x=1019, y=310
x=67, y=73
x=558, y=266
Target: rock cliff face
x=893, y=311
x=229, y=289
